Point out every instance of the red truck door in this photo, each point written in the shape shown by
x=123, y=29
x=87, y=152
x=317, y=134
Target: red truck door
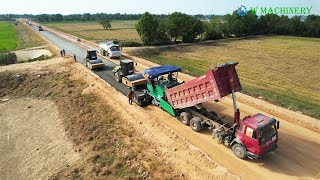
x=250, y=140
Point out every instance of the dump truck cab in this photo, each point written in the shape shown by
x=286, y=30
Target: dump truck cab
x=255, y=137
x=91, y=61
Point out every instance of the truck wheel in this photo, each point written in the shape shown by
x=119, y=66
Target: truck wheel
x=239, y=151
x=185, y=118
x=195, y=124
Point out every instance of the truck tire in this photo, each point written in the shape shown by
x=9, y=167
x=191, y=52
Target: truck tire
x=185, y=118
x=239, y=151
x=117, y=77
x=195, y=124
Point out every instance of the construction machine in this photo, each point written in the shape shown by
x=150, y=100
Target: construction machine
x=253, y=137
x=125, y=74
x=91, y=61
x=110, y=49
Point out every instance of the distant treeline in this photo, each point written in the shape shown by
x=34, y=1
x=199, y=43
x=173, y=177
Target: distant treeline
x=179, y=26
x=251, y=24
x=85, y=17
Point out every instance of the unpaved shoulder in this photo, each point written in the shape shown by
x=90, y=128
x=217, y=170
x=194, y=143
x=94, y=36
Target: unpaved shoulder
x=32, y=140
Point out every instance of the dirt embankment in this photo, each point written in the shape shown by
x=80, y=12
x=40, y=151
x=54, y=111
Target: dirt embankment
x=33, y=141
x=79, y=127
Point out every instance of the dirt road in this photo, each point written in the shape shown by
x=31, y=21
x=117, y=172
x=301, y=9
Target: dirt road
x=296, y=157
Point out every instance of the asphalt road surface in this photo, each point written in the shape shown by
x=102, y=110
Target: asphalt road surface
x=71, y=49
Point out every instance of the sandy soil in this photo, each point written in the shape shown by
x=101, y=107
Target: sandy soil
x=32, y=140
x=32, y=54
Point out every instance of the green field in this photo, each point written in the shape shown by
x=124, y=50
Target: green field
x=7, y=36
x=121, y=30
x=14, y=37
x=282, y=70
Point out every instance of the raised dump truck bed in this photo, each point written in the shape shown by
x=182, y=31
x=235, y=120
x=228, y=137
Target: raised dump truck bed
x=214, y=85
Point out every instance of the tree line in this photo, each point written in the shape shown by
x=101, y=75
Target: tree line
x=179, y=26
x=84, y=17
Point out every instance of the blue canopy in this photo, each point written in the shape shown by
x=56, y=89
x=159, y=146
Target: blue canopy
x=161, y=70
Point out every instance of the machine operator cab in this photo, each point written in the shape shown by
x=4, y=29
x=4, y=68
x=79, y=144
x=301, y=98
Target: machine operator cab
x=161, y=78
x=127, y=67
x=91, y=54
x=92, y=61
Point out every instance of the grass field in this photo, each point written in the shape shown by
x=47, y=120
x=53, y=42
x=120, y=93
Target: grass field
x=7, y=36
x=13, y=37
x=283, y=70
x=121, y=30
x=26, y=38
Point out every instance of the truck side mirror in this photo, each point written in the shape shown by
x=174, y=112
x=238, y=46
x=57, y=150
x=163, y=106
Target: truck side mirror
x=278, y=124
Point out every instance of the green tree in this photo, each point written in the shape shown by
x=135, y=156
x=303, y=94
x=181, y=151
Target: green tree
x=106, y=24
x=183, y=26
x=296, y=27
x=161, y=34
x=313, y=26
x=213, y=29
x=147, y=27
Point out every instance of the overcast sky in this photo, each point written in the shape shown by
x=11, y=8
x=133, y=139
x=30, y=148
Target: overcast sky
x=141, y=6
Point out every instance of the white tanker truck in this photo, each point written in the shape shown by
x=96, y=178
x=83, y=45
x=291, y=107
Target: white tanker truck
x=110, y=49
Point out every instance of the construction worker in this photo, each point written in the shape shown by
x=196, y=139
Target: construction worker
x=64, y=52
x=152, y=82
x=61, y=53
x=130, y=96
x=170, y=78
x=75, y=57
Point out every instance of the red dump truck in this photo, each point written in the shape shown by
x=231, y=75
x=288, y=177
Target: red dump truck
x=253, y=137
